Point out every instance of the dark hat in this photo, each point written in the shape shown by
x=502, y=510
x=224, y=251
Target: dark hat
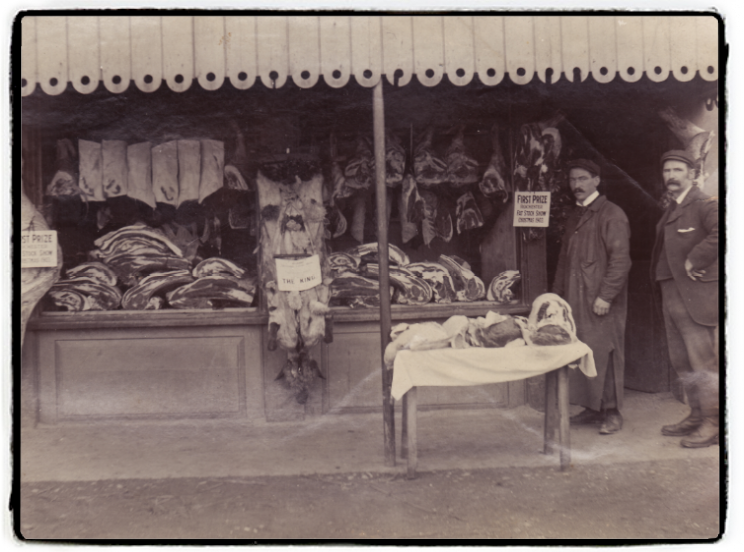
x=585, y=164
x=678, y=155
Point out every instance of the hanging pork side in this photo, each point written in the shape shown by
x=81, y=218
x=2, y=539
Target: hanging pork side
x=468, y=287
x=339, y=191
x=537, y=157
x=462, y=170
x=293, y=223
x=493, y=185
x=64, y=183
x=395, y=161
x=428, y=169
x=468, y=216
x=437, y=221
x=411, y=208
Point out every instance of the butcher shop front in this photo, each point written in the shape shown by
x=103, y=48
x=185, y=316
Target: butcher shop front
x=216, y=190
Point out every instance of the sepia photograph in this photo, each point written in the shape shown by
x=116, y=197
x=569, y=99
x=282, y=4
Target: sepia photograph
x=344, y=277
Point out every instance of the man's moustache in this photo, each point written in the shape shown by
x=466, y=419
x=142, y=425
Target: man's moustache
x=578, y=191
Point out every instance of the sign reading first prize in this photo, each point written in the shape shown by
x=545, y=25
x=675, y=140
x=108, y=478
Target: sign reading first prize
x=39, y=249
x=532, y=209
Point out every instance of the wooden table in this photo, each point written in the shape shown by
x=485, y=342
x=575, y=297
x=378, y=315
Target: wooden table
x=556, y=421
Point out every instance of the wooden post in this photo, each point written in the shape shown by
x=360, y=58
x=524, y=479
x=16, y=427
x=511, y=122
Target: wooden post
x=551, y=411
x=388, y=413
x=412, y=456
x=404, y=427
x=564, y=428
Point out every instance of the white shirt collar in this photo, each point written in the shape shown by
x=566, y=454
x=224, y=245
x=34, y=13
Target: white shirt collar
x=683, y=195
x=588, y=200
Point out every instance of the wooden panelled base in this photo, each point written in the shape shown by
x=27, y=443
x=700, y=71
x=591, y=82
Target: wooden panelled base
x=556, y=422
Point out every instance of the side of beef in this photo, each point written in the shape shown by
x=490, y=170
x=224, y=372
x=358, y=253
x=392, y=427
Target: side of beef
x=129, y=268
x=209, y=292
x=137, y=297
x=98, y=272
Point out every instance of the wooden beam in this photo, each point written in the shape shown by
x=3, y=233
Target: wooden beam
x=388, y=414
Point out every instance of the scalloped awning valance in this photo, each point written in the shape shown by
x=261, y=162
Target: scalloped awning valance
x=86, y=49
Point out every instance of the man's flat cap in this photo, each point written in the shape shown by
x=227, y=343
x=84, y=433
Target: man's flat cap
x=585, y=164
x=678, y=155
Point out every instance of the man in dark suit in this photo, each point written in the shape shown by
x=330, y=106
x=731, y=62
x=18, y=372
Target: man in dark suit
x=685, y=265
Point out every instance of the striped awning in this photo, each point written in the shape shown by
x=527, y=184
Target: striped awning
x=87, y=49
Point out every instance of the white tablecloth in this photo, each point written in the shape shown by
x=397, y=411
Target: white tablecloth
x=477, y=366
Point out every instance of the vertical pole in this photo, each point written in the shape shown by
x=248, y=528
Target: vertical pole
x=564, y=431
x=388, y=414
x=412, y=456
x=551, y=411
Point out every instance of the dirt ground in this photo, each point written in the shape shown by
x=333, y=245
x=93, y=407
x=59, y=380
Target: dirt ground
x=657, y=500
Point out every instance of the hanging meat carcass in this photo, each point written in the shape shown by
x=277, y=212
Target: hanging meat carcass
x=437, y=222
x=292, y=225
x=359, y=175
x=537, y=156
x=64, y=182
x=35, y=282
x=428, y=169
x=468, y=216
x=340, y=191
x=697, y=143
x=411, y=208
x=462, y=170
x=493, y=185
x=395, y=161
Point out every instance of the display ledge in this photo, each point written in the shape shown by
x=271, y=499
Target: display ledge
x=252, y=316
x=431, y=311
x=147, y=319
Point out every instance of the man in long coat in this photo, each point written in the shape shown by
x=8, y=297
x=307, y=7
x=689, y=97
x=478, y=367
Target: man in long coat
x=685, y=266
x=592, y=275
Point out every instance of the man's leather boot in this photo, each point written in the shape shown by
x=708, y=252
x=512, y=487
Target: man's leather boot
x=707, y=434
x=687, y=426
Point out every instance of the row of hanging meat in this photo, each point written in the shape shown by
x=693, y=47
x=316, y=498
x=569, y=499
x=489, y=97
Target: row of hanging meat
x=170, y=172
x=424, y=183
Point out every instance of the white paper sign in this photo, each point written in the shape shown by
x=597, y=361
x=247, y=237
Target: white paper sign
x=39, y=249
x=532, y=209
x=298, y=274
